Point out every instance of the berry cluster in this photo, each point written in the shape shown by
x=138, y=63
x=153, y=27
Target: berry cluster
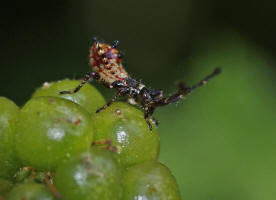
x=56, y=147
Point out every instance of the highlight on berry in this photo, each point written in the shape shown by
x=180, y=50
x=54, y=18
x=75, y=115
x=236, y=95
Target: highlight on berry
x=105, y=61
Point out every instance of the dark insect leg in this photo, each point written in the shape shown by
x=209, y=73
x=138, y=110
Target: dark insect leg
x=206, y=79
x=148, y=115
x=157, y=94
x=85, y=79
x=184, y=90
x=148, y=122
x=155, y=121
x=116, y=96
x=122, y=90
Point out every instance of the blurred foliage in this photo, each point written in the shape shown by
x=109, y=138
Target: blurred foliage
x=219, y=142
x=224, y=133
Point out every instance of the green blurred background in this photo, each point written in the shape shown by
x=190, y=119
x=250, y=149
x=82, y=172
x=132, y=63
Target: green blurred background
x=220, y=141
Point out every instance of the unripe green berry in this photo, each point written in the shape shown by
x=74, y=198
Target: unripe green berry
x=30, y=191
x=88, y=96
x=8, y=117
x=90, y=176
x=150, y=181
x=125, y=125
x=50, y=130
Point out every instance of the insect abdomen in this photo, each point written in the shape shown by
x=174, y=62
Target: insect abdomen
x=105, y=60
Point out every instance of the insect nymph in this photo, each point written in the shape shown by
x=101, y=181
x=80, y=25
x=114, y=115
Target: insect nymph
x=106, y=64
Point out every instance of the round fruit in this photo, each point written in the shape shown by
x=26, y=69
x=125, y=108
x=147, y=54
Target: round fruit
x=51, y=130
x=150, y=181
x=29, y=191
x=8, y=117
x=88, y=96
x=125, y=125
x=90, y=176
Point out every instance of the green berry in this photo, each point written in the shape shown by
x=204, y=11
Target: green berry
x=8, y=117
x=29, y=191
x=51, y=130
x=151, y=181
x=88, y=96
x=90, y=176
x=5, y=186
x=125, y=125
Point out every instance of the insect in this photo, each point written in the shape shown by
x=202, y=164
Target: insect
x=106, y=63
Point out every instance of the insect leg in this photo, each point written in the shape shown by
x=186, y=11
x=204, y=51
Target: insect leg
x=158, y=93
x=115, y=97
x=148, y=115
x=184, y=90
x=206, y=79
x=85, y=79
x=155, y=121
x=121, y=92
